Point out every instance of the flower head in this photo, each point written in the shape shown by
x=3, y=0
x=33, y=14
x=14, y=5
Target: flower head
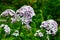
x=7, y=29
x=8, y=12
x=26, y=13
x=50, y=26
x=14, y=16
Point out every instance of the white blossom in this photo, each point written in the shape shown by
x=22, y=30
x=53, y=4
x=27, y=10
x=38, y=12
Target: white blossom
x=14, y=17
x=11, y=13
x=16, y=33
x=7, y=29
x=8, y=12
x=38, y=33
x=26, y=13
x=50, y=26
x=26, y=9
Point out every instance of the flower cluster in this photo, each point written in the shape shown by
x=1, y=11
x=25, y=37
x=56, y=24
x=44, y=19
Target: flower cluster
x=50, y=26
x=38, y=33
x=26, y=13
x=6, y=28
x=8, y=12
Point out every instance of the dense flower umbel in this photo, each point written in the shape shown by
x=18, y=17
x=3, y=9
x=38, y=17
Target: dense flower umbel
x=38, y=33
x=50, y=26
x=9, y=12
x=26, y=13
x=14, y=17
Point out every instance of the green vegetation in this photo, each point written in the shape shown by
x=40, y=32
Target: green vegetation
x=44, y=10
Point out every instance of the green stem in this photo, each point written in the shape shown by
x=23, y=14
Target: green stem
x=48, y=37
x=42, y=6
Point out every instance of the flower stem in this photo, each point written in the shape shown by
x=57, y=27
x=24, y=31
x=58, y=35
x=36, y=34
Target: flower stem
x=42, y=8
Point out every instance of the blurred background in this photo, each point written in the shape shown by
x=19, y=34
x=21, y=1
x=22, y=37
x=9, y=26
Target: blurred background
x=44, y=10
x=51, y=8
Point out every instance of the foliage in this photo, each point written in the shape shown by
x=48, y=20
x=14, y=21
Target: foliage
x=44, y=10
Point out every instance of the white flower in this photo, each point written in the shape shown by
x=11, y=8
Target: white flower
x=2, y=25
x=24, y=9
x=50, y=26
x=7, y=29
x=8, y=12
x=26, y=13
x=16, y=33
x=11, y=13
x=38, y=33
x=5, y=13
